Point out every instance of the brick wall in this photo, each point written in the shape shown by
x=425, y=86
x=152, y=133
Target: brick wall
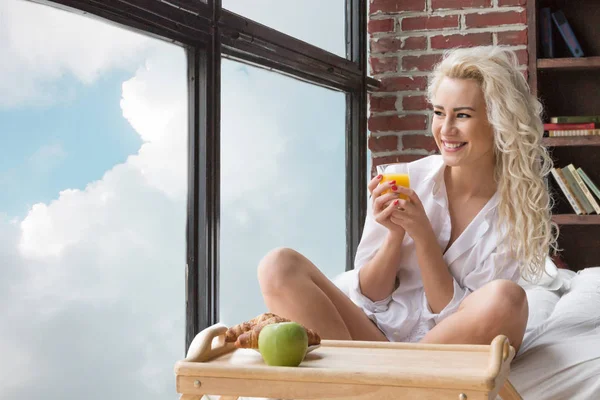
x=407, y=38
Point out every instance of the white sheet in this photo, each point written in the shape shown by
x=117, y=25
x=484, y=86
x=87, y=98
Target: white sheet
x=560, y=355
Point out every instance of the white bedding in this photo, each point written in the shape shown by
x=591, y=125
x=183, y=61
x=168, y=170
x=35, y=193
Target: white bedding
x=560, y=355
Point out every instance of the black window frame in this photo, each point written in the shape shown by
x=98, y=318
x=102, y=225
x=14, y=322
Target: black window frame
x=208, y=32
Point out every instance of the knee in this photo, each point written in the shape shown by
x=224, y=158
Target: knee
x=505, y=302
x=277, y=267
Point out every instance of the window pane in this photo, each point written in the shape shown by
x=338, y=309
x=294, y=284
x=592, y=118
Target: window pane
x=320, y=23
x=282, y=179
x=93, y=150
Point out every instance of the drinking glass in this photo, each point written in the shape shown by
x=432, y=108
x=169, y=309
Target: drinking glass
x=394, y=171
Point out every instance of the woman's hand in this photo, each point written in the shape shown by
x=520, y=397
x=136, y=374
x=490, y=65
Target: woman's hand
x=411, y=215
x=384, y=205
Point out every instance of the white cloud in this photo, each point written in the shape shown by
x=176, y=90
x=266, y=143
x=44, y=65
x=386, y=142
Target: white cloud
x=100, y=271
x=63, y=44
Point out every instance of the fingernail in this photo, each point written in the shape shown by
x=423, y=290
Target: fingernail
x=394, y=187
x=379, y=177
x=396, y=202
x=392, y=183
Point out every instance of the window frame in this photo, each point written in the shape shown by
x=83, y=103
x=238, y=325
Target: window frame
x=208, y=32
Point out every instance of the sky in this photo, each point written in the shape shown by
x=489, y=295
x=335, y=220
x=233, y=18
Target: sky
x=93, y=175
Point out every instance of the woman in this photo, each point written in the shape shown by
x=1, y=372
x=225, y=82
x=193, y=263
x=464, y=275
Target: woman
x=442, y=266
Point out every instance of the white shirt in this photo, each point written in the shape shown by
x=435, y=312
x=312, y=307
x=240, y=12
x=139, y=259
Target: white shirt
x=473, y=259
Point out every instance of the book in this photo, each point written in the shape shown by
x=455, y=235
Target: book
x=566, y=191
x=576, y=132
x=576, y=190
x=546, y=38
x=584, y=188
x=571, y=119
x=589, y=182
x=567, y=33
x=569, y=126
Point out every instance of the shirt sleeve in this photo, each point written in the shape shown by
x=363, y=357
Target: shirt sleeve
x=372, y=238
x=499, y=265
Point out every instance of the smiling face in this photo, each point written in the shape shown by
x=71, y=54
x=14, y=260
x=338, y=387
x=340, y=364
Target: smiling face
x=460, y=125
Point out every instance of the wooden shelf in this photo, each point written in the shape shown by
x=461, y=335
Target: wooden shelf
x=573, y=219
x=569, y=63
x=571, y=141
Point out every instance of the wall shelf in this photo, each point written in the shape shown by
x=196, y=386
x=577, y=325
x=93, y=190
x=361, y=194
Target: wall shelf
x=573, y=219
x=569, y=63
x=571, y=141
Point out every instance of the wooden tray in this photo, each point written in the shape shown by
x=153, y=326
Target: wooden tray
x=348, y=370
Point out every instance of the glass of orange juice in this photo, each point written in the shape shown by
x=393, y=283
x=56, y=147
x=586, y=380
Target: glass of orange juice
x=394, y=172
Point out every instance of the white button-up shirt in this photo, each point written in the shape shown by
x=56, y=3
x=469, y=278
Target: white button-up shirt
x=474, y=258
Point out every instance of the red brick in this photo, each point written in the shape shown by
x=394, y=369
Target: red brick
x=383, y=143
x=522, y=56
x=415, y=43
x=495, y=19
x=420, y=63
x=389, y=123
x=398, y=83
x=424, y=142
x=429, y=23
x=396, y=158
x=379, y=104
x=456, y=4
x=396, y=6
x=415, y=103
x=469, y=40
x=384, y=64
x=504, y=3
x=380, y=25
x=387, y=45
x=512, y=38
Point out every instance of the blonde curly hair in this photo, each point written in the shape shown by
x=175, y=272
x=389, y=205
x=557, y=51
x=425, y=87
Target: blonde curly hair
x=522, y=162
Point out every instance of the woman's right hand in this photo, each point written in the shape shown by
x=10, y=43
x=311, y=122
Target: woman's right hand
x=384, y=205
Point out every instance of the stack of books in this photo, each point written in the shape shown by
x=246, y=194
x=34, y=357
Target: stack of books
x=572, y=126
x=577, y=188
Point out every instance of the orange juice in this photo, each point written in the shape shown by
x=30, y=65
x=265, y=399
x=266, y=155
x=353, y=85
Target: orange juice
x=401, y=180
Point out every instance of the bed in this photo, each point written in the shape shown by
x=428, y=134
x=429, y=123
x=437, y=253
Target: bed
x=560, y=354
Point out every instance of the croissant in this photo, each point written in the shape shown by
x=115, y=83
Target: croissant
x=235, y=331
x=249, y=339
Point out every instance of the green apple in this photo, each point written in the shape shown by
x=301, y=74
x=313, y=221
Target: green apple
x=283, y=344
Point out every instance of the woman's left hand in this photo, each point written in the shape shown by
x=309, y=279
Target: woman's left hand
x=412, y=216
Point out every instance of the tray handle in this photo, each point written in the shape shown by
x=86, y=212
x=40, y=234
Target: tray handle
x=502, y=353
x=204, y=347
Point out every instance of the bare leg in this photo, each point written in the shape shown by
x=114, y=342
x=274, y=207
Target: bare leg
x=498, y=308
x=293, y=287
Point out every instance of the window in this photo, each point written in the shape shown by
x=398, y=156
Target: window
x=282, y=180
x=93, y=172
x=317, y=22
x=205, y=33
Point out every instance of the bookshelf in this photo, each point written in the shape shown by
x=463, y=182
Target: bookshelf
x=568, y=86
